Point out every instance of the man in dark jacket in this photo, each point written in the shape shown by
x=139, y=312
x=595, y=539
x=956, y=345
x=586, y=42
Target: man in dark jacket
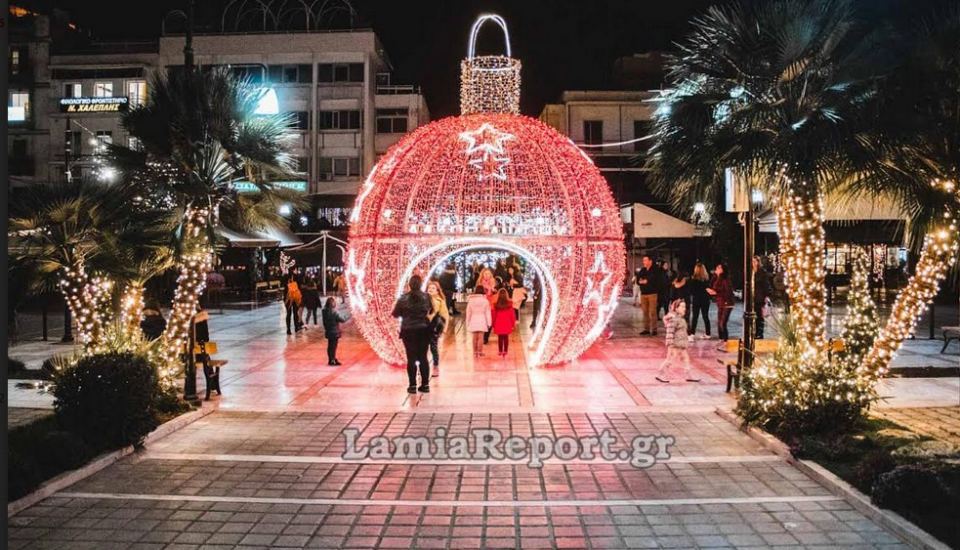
x=762, y=290
x=412, y=308
x=648, y=279
x=448, y=283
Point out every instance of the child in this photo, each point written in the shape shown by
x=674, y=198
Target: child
x=677, y=341
x=479, y=318
x=332, y=319
x=503, y=321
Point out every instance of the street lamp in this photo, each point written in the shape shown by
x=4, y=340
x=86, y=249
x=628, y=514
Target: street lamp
x=743, y=198
x=269, y=104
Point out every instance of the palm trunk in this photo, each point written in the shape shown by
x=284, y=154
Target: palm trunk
x=802, y=248
x=937, y=255
x=78, y=291
x=195, y=263
x=131, y=310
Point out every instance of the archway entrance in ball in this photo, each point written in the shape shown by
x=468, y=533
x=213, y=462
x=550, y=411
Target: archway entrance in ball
x=429, y=260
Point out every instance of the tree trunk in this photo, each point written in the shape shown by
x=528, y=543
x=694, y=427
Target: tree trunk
x=939, y=252
x=131, y=310
x=802, y=249
x=83, y=301
x=196, y=261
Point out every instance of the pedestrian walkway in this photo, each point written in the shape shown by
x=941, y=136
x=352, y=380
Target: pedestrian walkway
x=273, y=479
x=940, y=423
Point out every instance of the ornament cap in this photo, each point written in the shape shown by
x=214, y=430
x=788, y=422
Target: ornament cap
x=489, y=83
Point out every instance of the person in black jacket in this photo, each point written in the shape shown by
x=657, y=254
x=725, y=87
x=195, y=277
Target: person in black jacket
x=762, y=290
x=448, y=283
x=412, y=308
x=311, y=301
x=332, y=319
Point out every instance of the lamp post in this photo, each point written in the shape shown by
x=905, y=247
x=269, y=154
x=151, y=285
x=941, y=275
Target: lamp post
x=749, y=280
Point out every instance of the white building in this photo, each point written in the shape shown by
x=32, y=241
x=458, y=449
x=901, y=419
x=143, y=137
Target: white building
x=336, y=83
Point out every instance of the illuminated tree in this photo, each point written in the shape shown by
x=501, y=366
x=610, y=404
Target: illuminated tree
x=200, y=132
x=58, y=230
x=771, y=90
x=860, y=325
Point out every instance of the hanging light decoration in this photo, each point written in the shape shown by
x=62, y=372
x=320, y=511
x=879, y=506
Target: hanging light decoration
x=488, y=179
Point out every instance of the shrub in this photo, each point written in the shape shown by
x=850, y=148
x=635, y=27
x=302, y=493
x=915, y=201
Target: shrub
x=23, y=475
x=58, y=451
x=799, y=390
x=911, y=488
x=109, y=399
x=873, y=465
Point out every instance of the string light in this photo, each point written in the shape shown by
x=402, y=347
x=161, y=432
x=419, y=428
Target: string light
x=937, y=255
x=131, y=309
x=488, y=179
x=196, y=261
x=860, y=325
x=802, y=249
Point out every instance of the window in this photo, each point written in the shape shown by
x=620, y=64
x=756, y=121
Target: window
x=105, y=137
x=72, y=89
x=14, y=61
x=339, y=166
x=289, y=74
x=340, y=72
x=253, y=73
x=137, y=92
x=339, y=120
x=103, y=89
x=642, y=128
x=18, y=106
x=72, y=142
x=392, y=121
x=302, y=121
x=303, y=165
x=592, y=131
x=19, y=161
x=134, y=144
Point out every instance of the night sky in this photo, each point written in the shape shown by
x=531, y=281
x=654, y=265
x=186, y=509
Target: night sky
x=563, y=44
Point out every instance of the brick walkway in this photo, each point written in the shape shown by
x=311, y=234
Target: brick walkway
x=942, y=423
x=266, y=469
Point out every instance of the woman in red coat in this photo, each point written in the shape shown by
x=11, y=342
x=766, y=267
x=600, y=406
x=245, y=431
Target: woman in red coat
x=722, y=292
x=503, y=321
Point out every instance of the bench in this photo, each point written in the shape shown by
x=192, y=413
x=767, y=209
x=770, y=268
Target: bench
x=949, y=333
x=761, y=347
x=211, y=367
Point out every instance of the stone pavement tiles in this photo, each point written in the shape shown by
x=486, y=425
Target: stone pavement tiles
x=255, y=480
x=941, y=423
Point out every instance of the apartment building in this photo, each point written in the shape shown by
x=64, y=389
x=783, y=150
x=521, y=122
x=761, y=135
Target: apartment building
x=335, y=83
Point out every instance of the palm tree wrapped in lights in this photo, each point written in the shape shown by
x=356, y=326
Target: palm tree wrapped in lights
x=200, y=132
x=770, y=90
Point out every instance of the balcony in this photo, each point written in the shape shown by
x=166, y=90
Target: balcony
x=397, y=89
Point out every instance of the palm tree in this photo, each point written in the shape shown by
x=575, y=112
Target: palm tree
x=59, y=231
x=769, y=89
x=200, y=133
x=916, y=139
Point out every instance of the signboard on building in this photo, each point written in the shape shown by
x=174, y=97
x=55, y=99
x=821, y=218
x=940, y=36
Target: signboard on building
x=248, y=187
x=94, y=104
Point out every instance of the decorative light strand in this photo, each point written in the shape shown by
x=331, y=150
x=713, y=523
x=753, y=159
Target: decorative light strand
x=937, y=256
x=860, y=325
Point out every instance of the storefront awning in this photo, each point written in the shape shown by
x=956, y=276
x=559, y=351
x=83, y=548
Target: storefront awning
x=843, y=210
x=268, y=237
x=649, y=223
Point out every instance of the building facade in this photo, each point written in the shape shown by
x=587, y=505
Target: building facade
x=335, y=84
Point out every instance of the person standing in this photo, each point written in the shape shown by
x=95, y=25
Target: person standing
x=537, y=299
x=448, y=283
x=340, y=286
x=722, y=292
x=664, y=279
x=762, y=290
x=479, y=318
x=439, y=316
x=503, y=321
x=311, y=301
x=677, y=341
x=412, y=308
x=699, y=299
x=518, y=295
x=292, y=300
x=647, y=279
x=680, y=290
x=636, y=287
x=332, y=319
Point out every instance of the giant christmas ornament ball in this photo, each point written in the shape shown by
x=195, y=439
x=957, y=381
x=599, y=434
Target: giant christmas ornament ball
x=488, y=179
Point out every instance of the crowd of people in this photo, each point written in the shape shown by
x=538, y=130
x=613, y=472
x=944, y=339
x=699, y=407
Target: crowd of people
x=301, y=302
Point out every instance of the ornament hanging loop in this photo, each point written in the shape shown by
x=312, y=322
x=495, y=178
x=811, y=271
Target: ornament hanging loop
x=475, y=30
x=489, y=83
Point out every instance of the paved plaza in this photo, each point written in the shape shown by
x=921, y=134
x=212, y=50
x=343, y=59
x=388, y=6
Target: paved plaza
x=265, y=469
